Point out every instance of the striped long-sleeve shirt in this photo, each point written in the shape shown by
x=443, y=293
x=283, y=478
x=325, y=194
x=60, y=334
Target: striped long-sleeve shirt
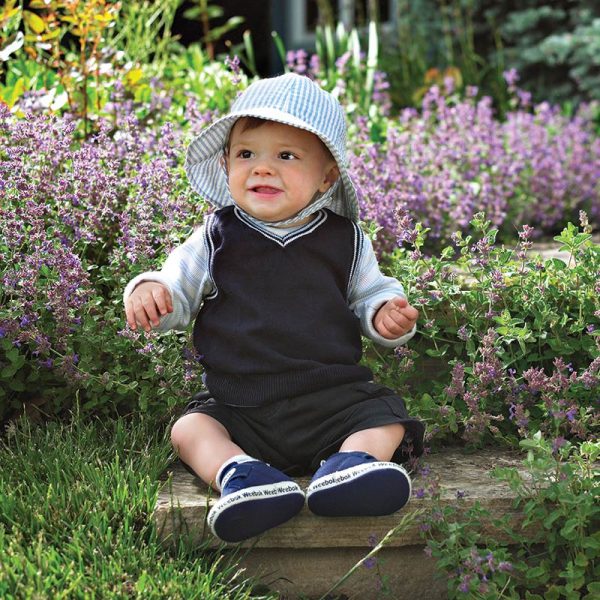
x=186, y=274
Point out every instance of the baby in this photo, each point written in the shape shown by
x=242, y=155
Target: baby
x=281, y=282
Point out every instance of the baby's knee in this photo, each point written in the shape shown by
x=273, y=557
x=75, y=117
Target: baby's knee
x=184, y=431
x=193, y=427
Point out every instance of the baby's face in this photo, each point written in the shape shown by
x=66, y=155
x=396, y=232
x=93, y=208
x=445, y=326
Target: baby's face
x=276, y=170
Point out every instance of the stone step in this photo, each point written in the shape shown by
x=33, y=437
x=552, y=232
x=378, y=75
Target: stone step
x=306, y=556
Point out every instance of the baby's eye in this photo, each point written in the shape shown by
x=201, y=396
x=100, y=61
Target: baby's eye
x=287, y=155
x=244, y=154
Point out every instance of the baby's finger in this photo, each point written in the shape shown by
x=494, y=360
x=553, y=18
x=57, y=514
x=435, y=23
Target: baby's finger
x=410, y=312
x=383, y=331
x=398, y=323
x=162, y=299
x=151, y=310
x=399, y=302
x=141, y=318
x=130, y=315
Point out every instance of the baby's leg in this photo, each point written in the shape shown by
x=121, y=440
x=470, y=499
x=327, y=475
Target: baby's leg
x=204, y=444
x=380, y=442
x=254, y=496
x=358, y=480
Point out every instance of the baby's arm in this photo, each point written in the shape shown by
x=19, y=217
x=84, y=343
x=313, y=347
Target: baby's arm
x=170, y=298
x=379, y=301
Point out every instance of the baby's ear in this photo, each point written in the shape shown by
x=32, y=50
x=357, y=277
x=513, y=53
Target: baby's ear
x=224, y=160
x=331, y=176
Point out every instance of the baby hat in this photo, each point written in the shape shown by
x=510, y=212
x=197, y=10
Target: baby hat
x=290, y=99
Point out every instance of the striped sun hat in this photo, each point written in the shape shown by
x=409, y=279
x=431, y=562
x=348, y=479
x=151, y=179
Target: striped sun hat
x=292, y=100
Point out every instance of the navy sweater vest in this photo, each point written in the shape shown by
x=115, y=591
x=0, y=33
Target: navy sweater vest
x=279, y=325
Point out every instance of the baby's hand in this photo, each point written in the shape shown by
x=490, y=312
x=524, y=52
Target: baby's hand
x=395, y=318
x=147, y=300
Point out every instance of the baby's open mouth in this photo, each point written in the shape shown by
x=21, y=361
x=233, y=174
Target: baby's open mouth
x=265, y=189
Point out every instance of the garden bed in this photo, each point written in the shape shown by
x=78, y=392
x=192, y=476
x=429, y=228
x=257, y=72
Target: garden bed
x=309, y=554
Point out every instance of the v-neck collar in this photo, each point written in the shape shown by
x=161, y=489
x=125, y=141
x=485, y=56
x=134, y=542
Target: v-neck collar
x=284, y=240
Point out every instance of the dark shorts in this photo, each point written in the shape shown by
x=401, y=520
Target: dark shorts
x=296, y=434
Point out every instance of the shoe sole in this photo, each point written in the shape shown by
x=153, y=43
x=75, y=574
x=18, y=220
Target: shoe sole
x=252, y=511
x=370, y=489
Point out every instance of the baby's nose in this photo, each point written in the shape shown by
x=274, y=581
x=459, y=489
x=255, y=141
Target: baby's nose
x=263, y=166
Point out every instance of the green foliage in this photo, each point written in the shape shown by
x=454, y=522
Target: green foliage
x=81, y=57
x=554, y=47
x=76, y=501
x=142, y=33
x=555, y=551
x=191, y=74
x=435, y=39
x=11, y=39
x=204, y=12
x=514, y=338
x=578, y=50
x=360, y=65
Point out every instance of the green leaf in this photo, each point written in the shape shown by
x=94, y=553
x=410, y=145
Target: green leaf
x=581, y=560
x=192, y=14
x=569, y=528
x=538, y=573
x=441, y=351
x=557, y=263
x=594, y=587
x=34, y=22
x=17, y=385
x=280, y=47
x=552, y=593
x=549, y=520
x=8, y=372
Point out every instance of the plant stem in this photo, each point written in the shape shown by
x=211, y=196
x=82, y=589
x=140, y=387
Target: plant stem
x=406, y=521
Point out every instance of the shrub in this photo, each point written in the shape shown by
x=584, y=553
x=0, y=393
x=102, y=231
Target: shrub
x=453, y=159
x=82, y=217
x=78, y=222
x=552, y=554
x=515, y=338
x=553, y=45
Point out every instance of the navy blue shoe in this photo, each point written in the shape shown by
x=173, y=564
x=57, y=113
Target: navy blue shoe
x=254, y=497
x=355, y=484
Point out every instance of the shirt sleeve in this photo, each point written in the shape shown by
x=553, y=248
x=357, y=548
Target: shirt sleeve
x=370, y=289
x=186, y=274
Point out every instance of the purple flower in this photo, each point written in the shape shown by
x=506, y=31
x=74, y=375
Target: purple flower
x=558, y=443
x=511, y=77
x=370, y=563
x=463, y=333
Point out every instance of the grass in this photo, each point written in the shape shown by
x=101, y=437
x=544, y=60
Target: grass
x=75, y=505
